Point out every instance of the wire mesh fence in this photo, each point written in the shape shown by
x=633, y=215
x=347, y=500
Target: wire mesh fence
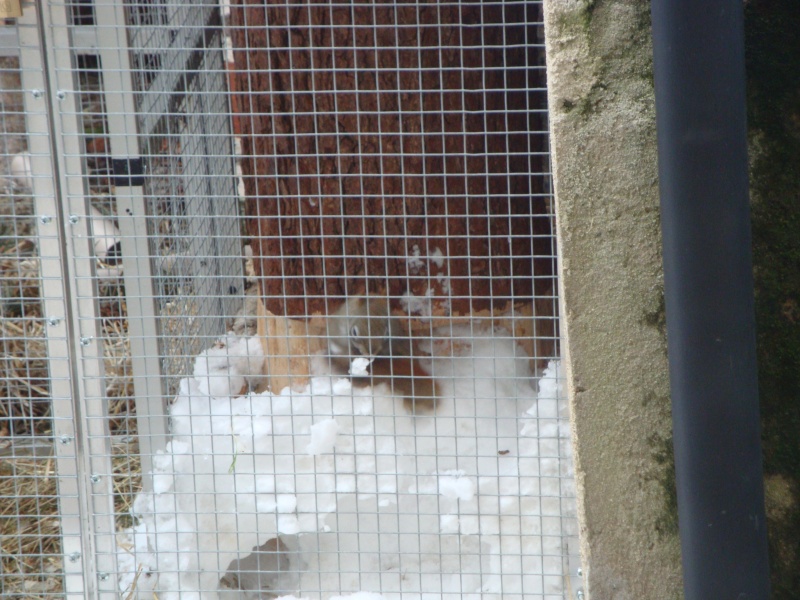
x=279, y=298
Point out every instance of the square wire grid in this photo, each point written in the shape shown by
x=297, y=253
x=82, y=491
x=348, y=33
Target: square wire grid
x=334, y=150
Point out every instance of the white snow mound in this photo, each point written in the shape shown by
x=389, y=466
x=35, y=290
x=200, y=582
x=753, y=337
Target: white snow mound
x=335, y=490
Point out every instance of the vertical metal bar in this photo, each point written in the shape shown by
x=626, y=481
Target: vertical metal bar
x=137, y=262
x=702, y=156
x=84, y=452
x=74, y=540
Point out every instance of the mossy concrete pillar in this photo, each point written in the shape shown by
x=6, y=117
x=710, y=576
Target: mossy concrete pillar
x=603, y=132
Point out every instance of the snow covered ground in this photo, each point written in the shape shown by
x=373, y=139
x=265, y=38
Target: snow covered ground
x=343, y=494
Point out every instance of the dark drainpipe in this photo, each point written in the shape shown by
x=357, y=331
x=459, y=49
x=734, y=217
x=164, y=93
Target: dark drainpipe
x=705, y=217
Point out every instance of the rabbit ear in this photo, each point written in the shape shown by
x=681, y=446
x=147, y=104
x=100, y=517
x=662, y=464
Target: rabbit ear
x=354, y=331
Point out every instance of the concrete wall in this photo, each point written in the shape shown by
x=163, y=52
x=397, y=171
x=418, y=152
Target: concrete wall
x=604, y=164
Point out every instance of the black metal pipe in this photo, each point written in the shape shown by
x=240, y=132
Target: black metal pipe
x=705, y=217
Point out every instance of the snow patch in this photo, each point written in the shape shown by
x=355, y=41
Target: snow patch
x=323, y=437
x=363, y=496
x=437, y=257
x=359, y=366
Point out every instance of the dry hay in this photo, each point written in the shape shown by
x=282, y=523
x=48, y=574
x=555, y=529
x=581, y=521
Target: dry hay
x=24, y=388
x=29, y=525
x=29, y=519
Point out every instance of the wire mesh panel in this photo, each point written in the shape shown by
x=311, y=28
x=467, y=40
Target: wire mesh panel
x=307, y=318
x=184, y=119
x=35, y=396
x=73, y=170
x=51, y=454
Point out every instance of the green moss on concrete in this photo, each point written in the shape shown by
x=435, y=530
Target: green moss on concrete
x=605, y=173
x=657, y=318
x=617, y=64
x=663, y=455
x=773, y=70
x=580, y=18
x=588, y=104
